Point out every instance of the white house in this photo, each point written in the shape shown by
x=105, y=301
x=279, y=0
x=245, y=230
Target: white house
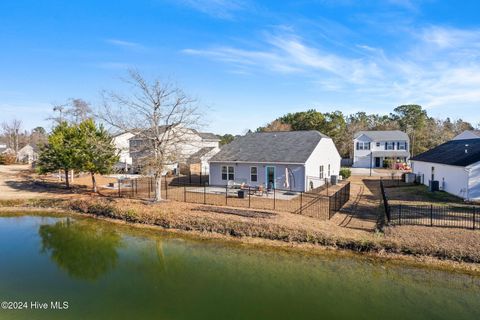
x=122, y=144
x=6, y=150
x=455, y=165
x=187, y=143
x=468, y=134
x=27, y=154
x=292, y=160
x=372, y=148
x=198, y=162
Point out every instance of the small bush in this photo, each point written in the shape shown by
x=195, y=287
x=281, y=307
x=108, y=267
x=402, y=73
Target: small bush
x=7, y=158
x=345, y=173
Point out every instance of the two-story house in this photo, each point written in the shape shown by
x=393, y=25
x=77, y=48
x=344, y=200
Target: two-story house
x=185, y=147
x=372, y=148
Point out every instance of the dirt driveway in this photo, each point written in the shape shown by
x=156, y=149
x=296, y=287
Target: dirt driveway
x=362, y=211
x=16, y=182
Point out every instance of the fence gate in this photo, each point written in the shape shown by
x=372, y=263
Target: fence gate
x=338, y=200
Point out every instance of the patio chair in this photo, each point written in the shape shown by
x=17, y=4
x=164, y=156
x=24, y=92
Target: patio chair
x=261, y=190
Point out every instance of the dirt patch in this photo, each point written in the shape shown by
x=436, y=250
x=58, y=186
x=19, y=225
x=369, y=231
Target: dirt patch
x=238, y=212
x=456, y=244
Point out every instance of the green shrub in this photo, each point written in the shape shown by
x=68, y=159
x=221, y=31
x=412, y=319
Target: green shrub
x=388, y=163
x=345, y=173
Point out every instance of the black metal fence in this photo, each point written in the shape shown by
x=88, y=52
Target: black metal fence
x=466, y=217
x=305, y=203
x=459, y=216
x=338, y=200
x=386, y=207
x=395, y=181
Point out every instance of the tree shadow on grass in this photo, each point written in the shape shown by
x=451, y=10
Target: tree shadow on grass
x=36, y=186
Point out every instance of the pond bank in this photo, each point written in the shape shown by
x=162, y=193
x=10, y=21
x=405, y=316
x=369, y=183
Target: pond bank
x=273, y=229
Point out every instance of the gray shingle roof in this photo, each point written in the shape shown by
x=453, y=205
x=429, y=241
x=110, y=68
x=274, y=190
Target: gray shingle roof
x=474, y=132
x=196, y=157
x=208, y=136
x=387, y=135
x=285, y=147
x=453, y=153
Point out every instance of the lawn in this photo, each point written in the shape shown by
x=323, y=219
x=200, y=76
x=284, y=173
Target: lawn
x=419, y=194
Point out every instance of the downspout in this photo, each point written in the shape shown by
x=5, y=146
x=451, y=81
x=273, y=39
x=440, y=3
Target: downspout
x=467, y=193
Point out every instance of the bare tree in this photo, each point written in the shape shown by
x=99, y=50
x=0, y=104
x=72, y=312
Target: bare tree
x=79, y=110
x=162, y=117
x=11, y=131
x=73, y=111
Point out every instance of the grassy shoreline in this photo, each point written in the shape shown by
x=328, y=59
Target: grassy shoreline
x=248, y=230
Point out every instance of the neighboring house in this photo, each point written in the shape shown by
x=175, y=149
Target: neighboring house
x=198, y=162
x=455, y=164
x=468, y=134
x=6, y=150
x=122, y=144
x=293, y=160
x=188, y=143
x=27, y=154
x=372, y=148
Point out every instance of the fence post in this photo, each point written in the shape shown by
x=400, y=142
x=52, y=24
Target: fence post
x=301, y=201
x=474, y=212
x=184, y=192
x=249, y=197
x=190, y=178
x=336, y=202
x=431, y=215
x=226, y=194
x=204, y=193
x=400, y=215
x=329, y=208
x=166, y=187
x=274, y=198
x=119, y=191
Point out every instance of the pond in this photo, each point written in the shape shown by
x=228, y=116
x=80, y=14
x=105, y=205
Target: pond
x=99, y=270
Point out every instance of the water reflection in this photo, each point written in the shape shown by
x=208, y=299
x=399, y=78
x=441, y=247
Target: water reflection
x=84, y=250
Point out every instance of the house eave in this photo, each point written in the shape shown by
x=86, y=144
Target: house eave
x=444, y=164
x=260, y=162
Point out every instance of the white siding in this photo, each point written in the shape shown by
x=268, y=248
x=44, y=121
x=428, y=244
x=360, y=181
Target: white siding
x=453, y=179
x=363, y=159
x=474, y=182
x=324, y=154
x=122, y=144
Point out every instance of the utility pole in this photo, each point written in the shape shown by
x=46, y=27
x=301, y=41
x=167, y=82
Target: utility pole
x=371, y=158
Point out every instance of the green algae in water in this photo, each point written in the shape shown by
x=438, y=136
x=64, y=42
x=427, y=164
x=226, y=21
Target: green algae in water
x=107, y=271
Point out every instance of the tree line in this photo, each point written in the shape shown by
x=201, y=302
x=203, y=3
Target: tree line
x=425, y=132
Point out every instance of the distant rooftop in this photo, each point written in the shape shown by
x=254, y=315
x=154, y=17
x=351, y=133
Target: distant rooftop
x=455, y=152
x=383, y=135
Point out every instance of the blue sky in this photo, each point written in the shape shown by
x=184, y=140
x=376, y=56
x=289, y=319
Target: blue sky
x=247, y=62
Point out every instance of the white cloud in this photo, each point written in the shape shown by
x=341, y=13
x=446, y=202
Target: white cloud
x=125, y=44
x=222, y=9
x=439, y=67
